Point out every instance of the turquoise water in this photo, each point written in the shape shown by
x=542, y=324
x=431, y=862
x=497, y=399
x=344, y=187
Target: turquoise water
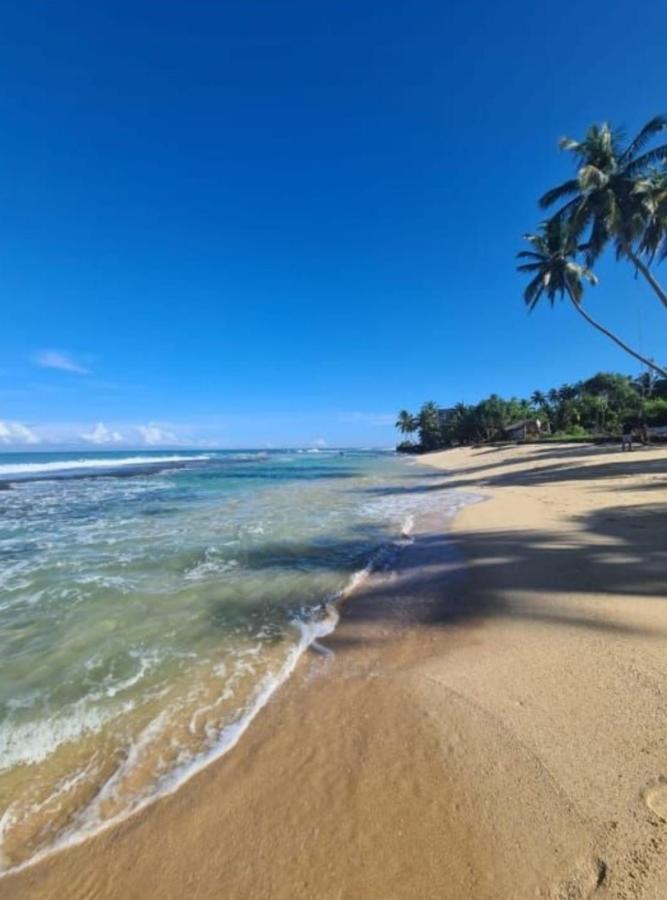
x=149, y=605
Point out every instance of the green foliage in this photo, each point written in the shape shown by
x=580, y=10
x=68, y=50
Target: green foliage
x=619, y=199
x=618, y=194
x=656, y=412
x=574, y=431
x=598, y=407
x=408, y=447
x=551, y=265
x=406, y=422
x=428, y=423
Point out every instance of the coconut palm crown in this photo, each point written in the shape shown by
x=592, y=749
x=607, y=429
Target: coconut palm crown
x=603, y=195
x=651, y=191
x=406, y=422
x=551, y=262
x=605, y=205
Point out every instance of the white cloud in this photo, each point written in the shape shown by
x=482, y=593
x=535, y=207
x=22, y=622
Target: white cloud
x=16, y=433
x=100, y=434
x=319, y=443
x=153, y=434
x=53, y=359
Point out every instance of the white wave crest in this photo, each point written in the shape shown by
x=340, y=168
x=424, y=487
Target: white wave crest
x=67, y=465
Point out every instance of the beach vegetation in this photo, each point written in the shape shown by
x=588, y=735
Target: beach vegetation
x=406, y=422
x=429, y=426
x=600, y=407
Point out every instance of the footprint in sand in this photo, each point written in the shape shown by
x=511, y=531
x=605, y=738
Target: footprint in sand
x=655, y=797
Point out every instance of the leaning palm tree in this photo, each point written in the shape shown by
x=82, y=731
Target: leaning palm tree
x=406, y=422
x=552, y=263
x=603, y=201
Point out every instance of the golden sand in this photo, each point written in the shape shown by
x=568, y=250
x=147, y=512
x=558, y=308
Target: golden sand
x=493, y=723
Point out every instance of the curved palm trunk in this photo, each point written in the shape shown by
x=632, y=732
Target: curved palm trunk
x=649, y=276
x=647, y=362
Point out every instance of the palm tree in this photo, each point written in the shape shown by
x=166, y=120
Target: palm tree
x=604, y=198
x=556, y=273
x=406, y=422
x=652, y=193
x=541, y=404
x=644, y=383
x=568, y=392
x=428, y=422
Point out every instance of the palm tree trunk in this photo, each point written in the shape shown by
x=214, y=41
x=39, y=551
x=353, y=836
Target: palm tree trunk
x=647, y=362
x=648, y=275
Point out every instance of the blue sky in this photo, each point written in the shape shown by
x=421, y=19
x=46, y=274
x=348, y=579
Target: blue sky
x=277, y=223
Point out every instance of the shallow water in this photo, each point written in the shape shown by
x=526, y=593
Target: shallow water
x=149, y=606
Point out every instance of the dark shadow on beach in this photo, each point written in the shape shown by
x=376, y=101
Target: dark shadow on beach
x=618, y=551
x=627, y=464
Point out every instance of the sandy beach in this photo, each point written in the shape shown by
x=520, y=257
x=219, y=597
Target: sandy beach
x=489, y=719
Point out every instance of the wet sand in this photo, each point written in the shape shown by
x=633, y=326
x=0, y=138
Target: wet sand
x=492, y=722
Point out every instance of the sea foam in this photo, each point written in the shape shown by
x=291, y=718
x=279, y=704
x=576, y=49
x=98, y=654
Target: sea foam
x=98, y=463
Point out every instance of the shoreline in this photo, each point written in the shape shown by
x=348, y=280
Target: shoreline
x=369, y=773
x=312, y=632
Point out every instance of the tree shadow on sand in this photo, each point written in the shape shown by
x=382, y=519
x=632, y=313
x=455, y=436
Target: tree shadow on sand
x=457, y=580
x=617, y=551
x=569, y=470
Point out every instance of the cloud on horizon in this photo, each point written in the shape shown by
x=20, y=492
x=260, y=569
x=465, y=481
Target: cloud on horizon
x=16, y=433
x=153, y=434
x=100, y=434
x=54, y=359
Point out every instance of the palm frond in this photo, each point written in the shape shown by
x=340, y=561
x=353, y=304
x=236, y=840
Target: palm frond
x=591, y=178
x=597, y=240
x=529, y=267
x=657, y=155
x=568, y=143
x=653, y=126
x=533, y=292
x=528, y=254
x=613, y=216
x=652, y=238
x=580, y=218
x=563, y=190
x=573, y=284
x=567, y=216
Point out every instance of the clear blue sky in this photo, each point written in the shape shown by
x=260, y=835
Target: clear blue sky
x=253, y=223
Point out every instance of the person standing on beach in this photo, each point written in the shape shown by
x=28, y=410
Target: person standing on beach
x=626, y=440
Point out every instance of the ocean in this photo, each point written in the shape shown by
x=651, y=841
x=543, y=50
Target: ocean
x=151, y=603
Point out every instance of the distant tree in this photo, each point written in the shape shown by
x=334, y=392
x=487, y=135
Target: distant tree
x=428, y=421
x=406, y=422
x=459, y=427
x=655, y=411
x=555, y=273
x=492, y=416
x=645, y=383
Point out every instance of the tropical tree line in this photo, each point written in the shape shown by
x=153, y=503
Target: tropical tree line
x=617, y=199
x=601, y=406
